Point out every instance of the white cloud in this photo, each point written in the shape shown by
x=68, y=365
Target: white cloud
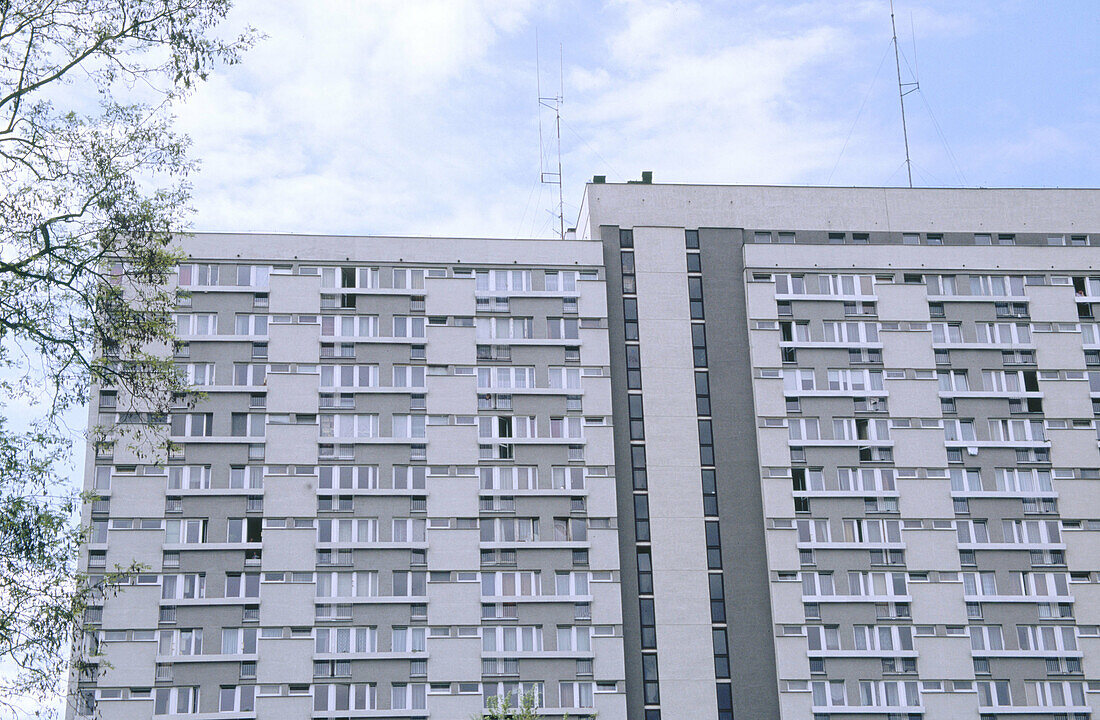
x=420, y=117
x=350, y=117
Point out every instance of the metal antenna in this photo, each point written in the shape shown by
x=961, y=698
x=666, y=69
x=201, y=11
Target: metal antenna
x=902, y=92
x=553, y=103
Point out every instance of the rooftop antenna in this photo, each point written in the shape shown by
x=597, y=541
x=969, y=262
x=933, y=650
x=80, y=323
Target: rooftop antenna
x=902, y=92
x=553, y=103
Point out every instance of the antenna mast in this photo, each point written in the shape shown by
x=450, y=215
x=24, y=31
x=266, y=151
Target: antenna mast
x=553, y=103
x=902, y=92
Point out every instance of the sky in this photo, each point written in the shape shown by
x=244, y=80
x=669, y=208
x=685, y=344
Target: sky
x=420, y=117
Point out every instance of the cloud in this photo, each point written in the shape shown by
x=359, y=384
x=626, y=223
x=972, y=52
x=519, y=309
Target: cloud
x=420, y=117
x=350, y=117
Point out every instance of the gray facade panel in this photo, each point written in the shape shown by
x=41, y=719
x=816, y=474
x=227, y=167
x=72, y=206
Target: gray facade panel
x=740, y=504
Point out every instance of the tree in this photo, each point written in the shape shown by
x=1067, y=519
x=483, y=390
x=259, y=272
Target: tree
x=499, y=707
x=93, y=179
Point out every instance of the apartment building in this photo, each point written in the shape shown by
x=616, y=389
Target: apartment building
x=733, y=452
x=395, y=499
x=856, y=434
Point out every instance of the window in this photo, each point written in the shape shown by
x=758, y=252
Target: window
x=247, y=424
x=567, y=378
x=350, y=277
x=408, y=426
x=803, y=429
x=1003, y=333
x=187, y=586
x=846, y=285
x=571, y=583
x=251, y=325
x=346, y=640
x=359, y=530
x=1023, y=480
x=407, y=530
x=346, y=477
x=363, y=583
x=358, y=696
x=349, y=376
x=251, y=375
x=993, y=693
x=562, y=328
x=575, y=694
x=408, y=639
x=190, y=531
x=180, y=642
x=890, y=693
x=193, y=424
x=561, y=281
x=997, y=285
x=412, y=696
x=238, y=641
x=198, y=324
x=348, y=425
x=240, y=530
x=946, y=332
x=410, y=583
x=409, y=477
x=857, y=380
x=176, y=701
x=188, y=477
x=567, y=427
x=1047, y=638
x=246, y=477
x=195, y=374
x=958, y=430
x=1057, y=694
x=850, y=332
x=350, y=326
x=828, y=694
x=519, y=478
x=510, y=584
x=505, y=281
x=408, y=326
x=511, y=639
x=238, y=585
x=241, y=698
x=198, y=275
x=790, y=284
x=253, y=275
x=1022, y=431
x=509, y=530
x=953, y=380
x=977, y=584
x=506, y=378
x=408, y=376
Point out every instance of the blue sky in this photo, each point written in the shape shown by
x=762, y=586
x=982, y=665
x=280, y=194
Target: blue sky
x=420, y=117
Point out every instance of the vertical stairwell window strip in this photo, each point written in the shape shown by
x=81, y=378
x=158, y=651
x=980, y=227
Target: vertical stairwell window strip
x=709, y=477
x=640, y=484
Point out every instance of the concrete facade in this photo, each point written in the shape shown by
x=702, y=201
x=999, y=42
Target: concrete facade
x=866, y=414
x=736, y=452
x=396, y=499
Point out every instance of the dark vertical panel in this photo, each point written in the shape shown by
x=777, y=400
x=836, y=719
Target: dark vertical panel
x=623, y=476
x=740, y=501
